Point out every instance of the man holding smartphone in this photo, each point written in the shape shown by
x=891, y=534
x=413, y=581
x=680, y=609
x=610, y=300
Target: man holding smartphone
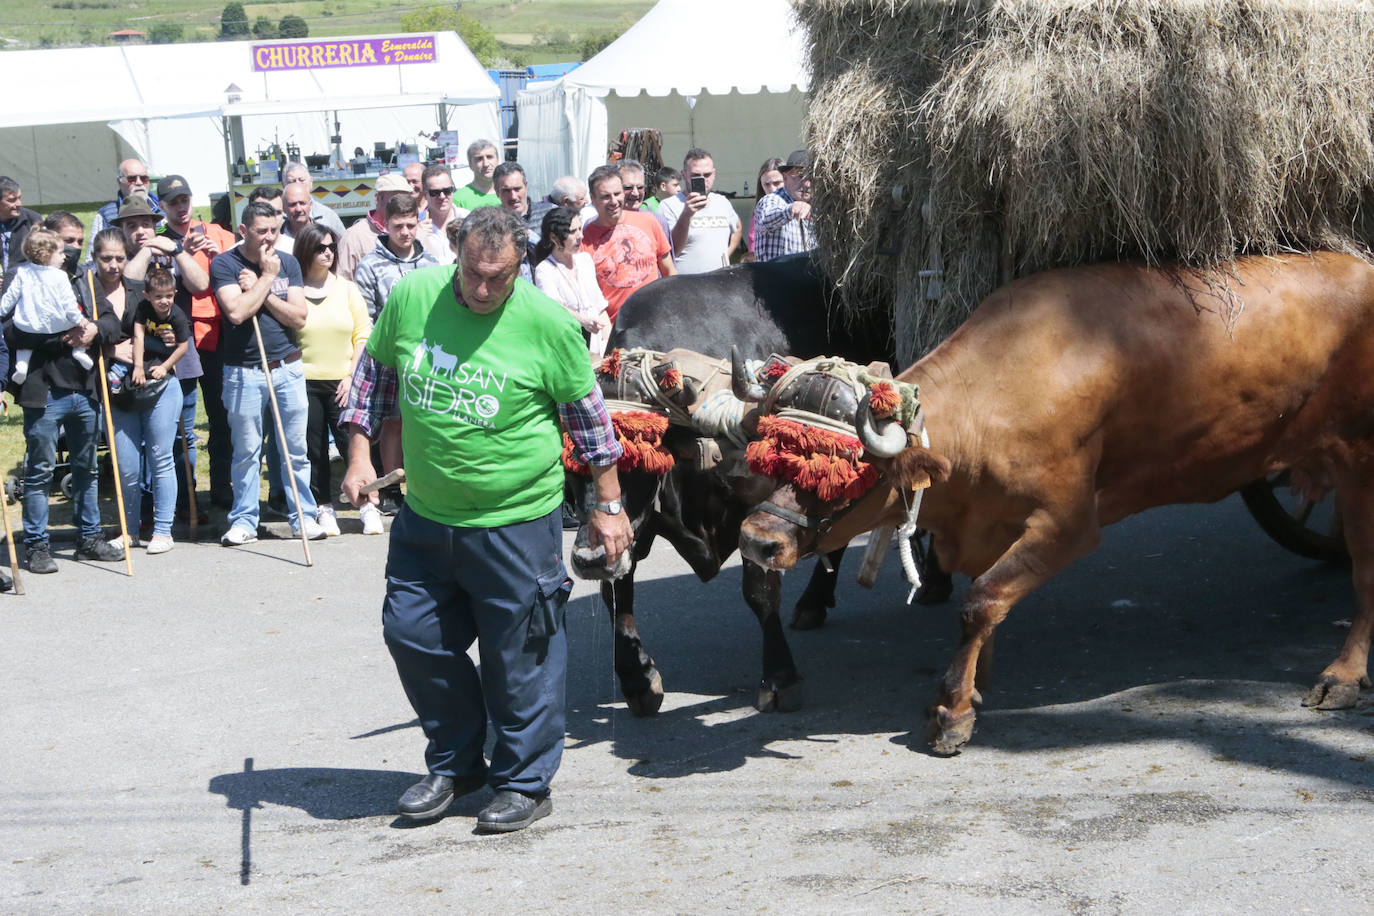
x=705, y=227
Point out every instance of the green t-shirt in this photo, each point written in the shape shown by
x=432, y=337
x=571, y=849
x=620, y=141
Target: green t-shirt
x=478, y=396
x=650, y=204
x=469, y=198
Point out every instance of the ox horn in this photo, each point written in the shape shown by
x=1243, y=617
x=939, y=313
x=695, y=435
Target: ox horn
x=887, y=443
x=742, y=381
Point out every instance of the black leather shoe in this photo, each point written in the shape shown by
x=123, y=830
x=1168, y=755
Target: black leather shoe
x=431, y=796
x=41, y=561
x=6, y=583
x=98, y=549
x=511, y=811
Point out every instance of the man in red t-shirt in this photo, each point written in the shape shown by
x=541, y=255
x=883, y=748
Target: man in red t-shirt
x=628, y=247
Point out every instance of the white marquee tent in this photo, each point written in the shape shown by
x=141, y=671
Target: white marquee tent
x=726, y=75
x=85, y=109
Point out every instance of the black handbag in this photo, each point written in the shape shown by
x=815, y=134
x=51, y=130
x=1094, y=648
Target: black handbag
x=143, y=397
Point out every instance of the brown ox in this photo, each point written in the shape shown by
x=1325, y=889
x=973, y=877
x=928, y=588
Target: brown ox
x=1074, y=398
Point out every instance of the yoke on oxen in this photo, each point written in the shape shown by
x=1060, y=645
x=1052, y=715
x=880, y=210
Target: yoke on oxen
x=806, y=420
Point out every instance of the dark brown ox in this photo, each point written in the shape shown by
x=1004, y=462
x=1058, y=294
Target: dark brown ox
x=1074, y=398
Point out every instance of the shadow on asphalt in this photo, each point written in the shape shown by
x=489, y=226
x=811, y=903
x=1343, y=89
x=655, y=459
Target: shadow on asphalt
x=1191, y=600
x=327, y=793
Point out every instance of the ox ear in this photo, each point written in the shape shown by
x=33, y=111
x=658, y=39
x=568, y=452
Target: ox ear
x=918, y=467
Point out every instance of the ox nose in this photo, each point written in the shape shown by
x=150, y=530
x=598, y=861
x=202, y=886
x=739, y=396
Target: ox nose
x=589, y=562
x=767, y=549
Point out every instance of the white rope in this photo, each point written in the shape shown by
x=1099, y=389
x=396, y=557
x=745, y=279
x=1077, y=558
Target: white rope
x=904, y=533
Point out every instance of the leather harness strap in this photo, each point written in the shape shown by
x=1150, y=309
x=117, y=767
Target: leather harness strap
x=820, y=523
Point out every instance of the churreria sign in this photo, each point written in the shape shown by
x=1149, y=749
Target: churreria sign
x=362, y=52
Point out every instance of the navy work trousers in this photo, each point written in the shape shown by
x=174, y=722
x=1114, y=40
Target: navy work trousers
x=506, y=588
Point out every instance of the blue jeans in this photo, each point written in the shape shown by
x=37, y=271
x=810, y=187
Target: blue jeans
x=506, y=588
x=246, y=400
x=144, y=439
x=78, y=413
x=188, y=423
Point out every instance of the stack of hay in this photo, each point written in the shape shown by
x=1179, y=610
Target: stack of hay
x=1026, y=134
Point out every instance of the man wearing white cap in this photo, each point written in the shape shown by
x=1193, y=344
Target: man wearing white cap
x=361, y=237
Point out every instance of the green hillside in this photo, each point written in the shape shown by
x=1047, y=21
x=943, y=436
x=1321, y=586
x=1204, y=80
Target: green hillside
x=530, y=31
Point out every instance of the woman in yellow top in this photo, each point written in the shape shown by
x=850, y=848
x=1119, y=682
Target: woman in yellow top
x=335, y=332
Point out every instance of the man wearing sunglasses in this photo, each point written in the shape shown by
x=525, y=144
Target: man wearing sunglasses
x=437, y=181
x=133, y=178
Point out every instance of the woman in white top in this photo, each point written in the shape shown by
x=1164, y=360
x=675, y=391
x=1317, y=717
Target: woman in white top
x=568, y=276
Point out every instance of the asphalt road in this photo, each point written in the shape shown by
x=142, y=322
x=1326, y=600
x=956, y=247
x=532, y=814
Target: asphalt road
x=225, y=733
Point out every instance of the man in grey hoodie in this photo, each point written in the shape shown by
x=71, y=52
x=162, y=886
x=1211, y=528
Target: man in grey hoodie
x=397, y=254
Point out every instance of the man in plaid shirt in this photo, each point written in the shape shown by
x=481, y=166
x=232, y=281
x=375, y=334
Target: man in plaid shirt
x=782, y=220
x=482, y=366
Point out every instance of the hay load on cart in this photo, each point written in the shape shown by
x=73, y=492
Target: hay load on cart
x=957, y=145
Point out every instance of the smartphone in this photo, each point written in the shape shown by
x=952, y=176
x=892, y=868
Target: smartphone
x=697, y=184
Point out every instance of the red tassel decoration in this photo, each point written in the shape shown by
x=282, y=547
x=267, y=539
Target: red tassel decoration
x=671, y=381
x=813, y=459
x=610, y=365
x=884, y=400
x=641, y=438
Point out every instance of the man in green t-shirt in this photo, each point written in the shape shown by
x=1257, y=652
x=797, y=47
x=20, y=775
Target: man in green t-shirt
x=482, y=367
x=482, y=159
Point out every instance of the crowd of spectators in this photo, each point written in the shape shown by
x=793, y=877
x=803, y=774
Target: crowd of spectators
x=171, y=312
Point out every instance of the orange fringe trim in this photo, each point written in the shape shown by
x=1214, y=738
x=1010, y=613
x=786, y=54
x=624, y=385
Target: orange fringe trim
x=818, y=460
x=775, y=370
x=884, y=400
x=640, y=435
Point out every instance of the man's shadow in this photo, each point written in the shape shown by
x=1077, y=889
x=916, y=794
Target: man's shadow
x=326, y=793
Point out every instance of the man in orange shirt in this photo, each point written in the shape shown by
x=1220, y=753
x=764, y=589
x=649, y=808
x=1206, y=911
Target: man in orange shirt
x=628, y=247
x=203, y=241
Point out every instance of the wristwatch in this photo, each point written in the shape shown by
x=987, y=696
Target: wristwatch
x=611, y=508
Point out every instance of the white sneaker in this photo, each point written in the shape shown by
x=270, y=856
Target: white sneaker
x=117, y=542
x=159, y=543
x=326, y=518
x=237, y=535
x=371, y=518
x=313, y=531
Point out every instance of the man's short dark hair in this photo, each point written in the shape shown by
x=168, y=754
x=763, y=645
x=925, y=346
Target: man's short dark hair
x=434, y=171
x=666, y=174
x=493, y=227
x=601, y=173
x=58, y=220
x=401, y=205
x=264, y=192
x=507, y=168
x=694, y=154
x=9, y=186
x=259, y=209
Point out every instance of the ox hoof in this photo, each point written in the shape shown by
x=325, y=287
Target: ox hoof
x=775, y=697
x=948, y=733
x=646, y=702
x=1330, y=693
x=808, y=618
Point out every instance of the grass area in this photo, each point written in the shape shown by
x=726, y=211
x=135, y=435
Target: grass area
x=45, y=23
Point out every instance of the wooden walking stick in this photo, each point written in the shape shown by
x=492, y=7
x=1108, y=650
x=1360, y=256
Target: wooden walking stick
x=290, y=473
x=9, y=542
x=110, y=435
